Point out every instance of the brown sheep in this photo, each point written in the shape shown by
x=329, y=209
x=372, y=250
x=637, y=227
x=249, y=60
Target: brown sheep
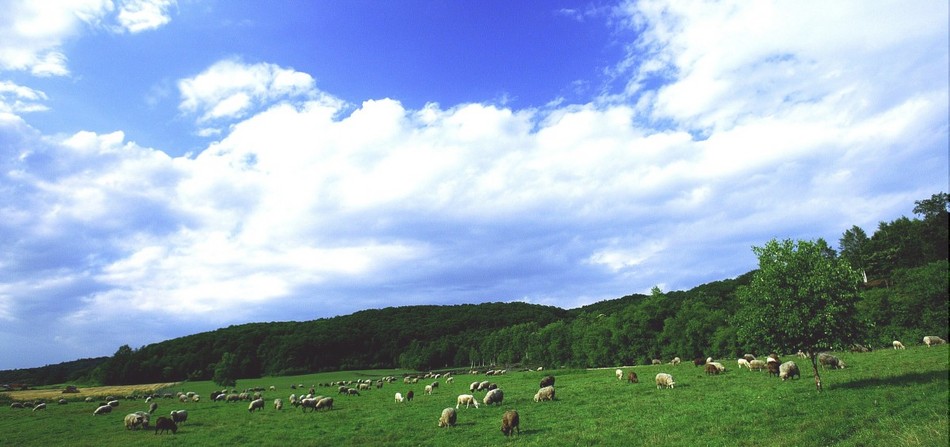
x=632, y=377
x=164, y=424
x=509, y=423
x=773, y=368
x=711, y=369
x=547, y=381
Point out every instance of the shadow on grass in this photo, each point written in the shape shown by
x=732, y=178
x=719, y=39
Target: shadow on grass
x=904, y=379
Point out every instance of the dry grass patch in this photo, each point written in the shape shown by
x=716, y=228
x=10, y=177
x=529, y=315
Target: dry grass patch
x=94, y=391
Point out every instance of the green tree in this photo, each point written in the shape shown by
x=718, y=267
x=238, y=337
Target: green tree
x=853, y=245
x=225, y=372
x=802, y=297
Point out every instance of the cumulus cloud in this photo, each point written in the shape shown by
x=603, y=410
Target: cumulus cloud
x=19, y=99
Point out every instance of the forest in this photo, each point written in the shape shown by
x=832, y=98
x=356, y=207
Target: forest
x=904, y=295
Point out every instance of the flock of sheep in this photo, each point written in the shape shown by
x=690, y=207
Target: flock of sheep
x=449, y=416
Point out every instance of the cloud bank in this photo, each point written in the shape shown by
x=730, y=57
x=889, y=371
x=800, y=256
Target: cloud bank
x=732, y=124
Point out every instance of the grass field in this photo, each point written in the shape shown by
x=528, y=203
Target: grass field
x=886, y=397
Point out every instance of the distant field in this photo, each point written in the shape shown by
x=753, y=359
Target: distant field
x=886, y=397
x=53, y=395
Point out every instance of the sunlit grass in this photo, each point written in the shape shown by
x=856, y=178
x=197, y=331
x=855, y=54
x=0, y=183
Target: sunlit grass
x=885, y=397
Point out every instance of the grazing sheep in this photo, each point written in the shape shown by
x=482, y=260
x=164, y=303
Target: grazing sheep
x=718, y=366
x=450, y=380
x=744, y=362
x=675, y=361
x=484, y=385
x=62, y=402
x=540, y=368
x=102, y=409
x=494, y=396
x=830, y=361
x=547, y=381
x=773, y=358
x=619, y=373
x=133, y=421
x=16, y=405
x=278, y=404
x=897, y=344
x=409, y=396
x=748, y=357
x=179, y=416
x=632, y=377
x=709, y=359
x=756, y=365
x=664, y=380
x=656, y=362
x=509, y=423
x=448, y=417
x=711, y=369
x=152, y=407
x=466, y=399
x=428, y=390
x=699, y=361
x=308, y=402
x=352, y=392
x=257, y=404
x=326, y=402
x=931, y=340
x=773, y=368
x=546, y=393
x=40, y=406
x=164, y=424
x=788, y=370
x=473, y=387
x=112, y=403
x=399, y=398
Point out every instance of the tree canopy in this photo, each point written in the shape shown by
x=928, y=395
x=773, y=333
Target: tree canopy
x=802, y=297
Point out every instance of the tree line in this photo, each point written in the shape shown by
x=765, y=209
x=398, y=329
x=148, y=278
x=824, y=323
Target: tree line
x=904, y=296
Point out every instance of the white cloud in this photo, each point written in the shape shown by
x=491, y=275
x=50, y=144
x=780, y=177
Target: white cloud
x=231, y=89
x=142, y=15
x=19, y=99
x=33, y=33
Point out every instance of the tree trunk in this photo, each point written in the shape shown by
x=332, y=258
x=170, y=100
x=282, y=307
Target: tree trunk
x=814, y=365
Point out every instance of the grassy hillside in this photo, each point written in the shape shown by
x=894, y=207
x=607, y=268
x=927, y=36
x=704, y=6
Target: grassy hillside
x=886, y=397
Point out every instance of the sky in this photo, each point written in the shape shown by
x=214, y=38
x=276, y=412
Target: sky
x=173, y=167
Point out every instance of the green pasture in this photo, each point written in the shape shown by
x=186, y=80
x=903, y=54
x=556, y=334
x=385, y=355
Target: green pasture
x=886, y=397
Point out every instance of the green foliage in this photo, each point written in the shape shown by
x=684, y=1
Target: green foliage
x=802, y=297
x=225, y=372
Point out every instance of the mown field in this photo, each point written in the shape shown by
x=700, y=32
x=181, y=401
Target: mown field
x=886, y=397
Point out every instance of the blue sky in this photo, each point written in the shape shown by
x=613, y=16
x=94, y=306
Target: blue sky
x=174, y=167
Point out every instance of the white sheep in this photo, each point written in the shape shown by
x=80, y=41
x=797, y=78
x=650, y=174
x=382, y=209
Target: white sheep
x=278, y=404
x=757, y=365
x=466, y=399
x=789, y=370
x=428, y=389
x=326, y=402
x=179, y=416
x=399, y=398
x=546, y=393
x=102, y=409
x=448, y=417
x=473, y=386
x=494, y=396
x=257, y=404
x=931, y=340
x=133, y=421
x=40, y=406
x=897, y=344
x=744, y=362
x=619, y=374
x=664, y=380
x=675, y=361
